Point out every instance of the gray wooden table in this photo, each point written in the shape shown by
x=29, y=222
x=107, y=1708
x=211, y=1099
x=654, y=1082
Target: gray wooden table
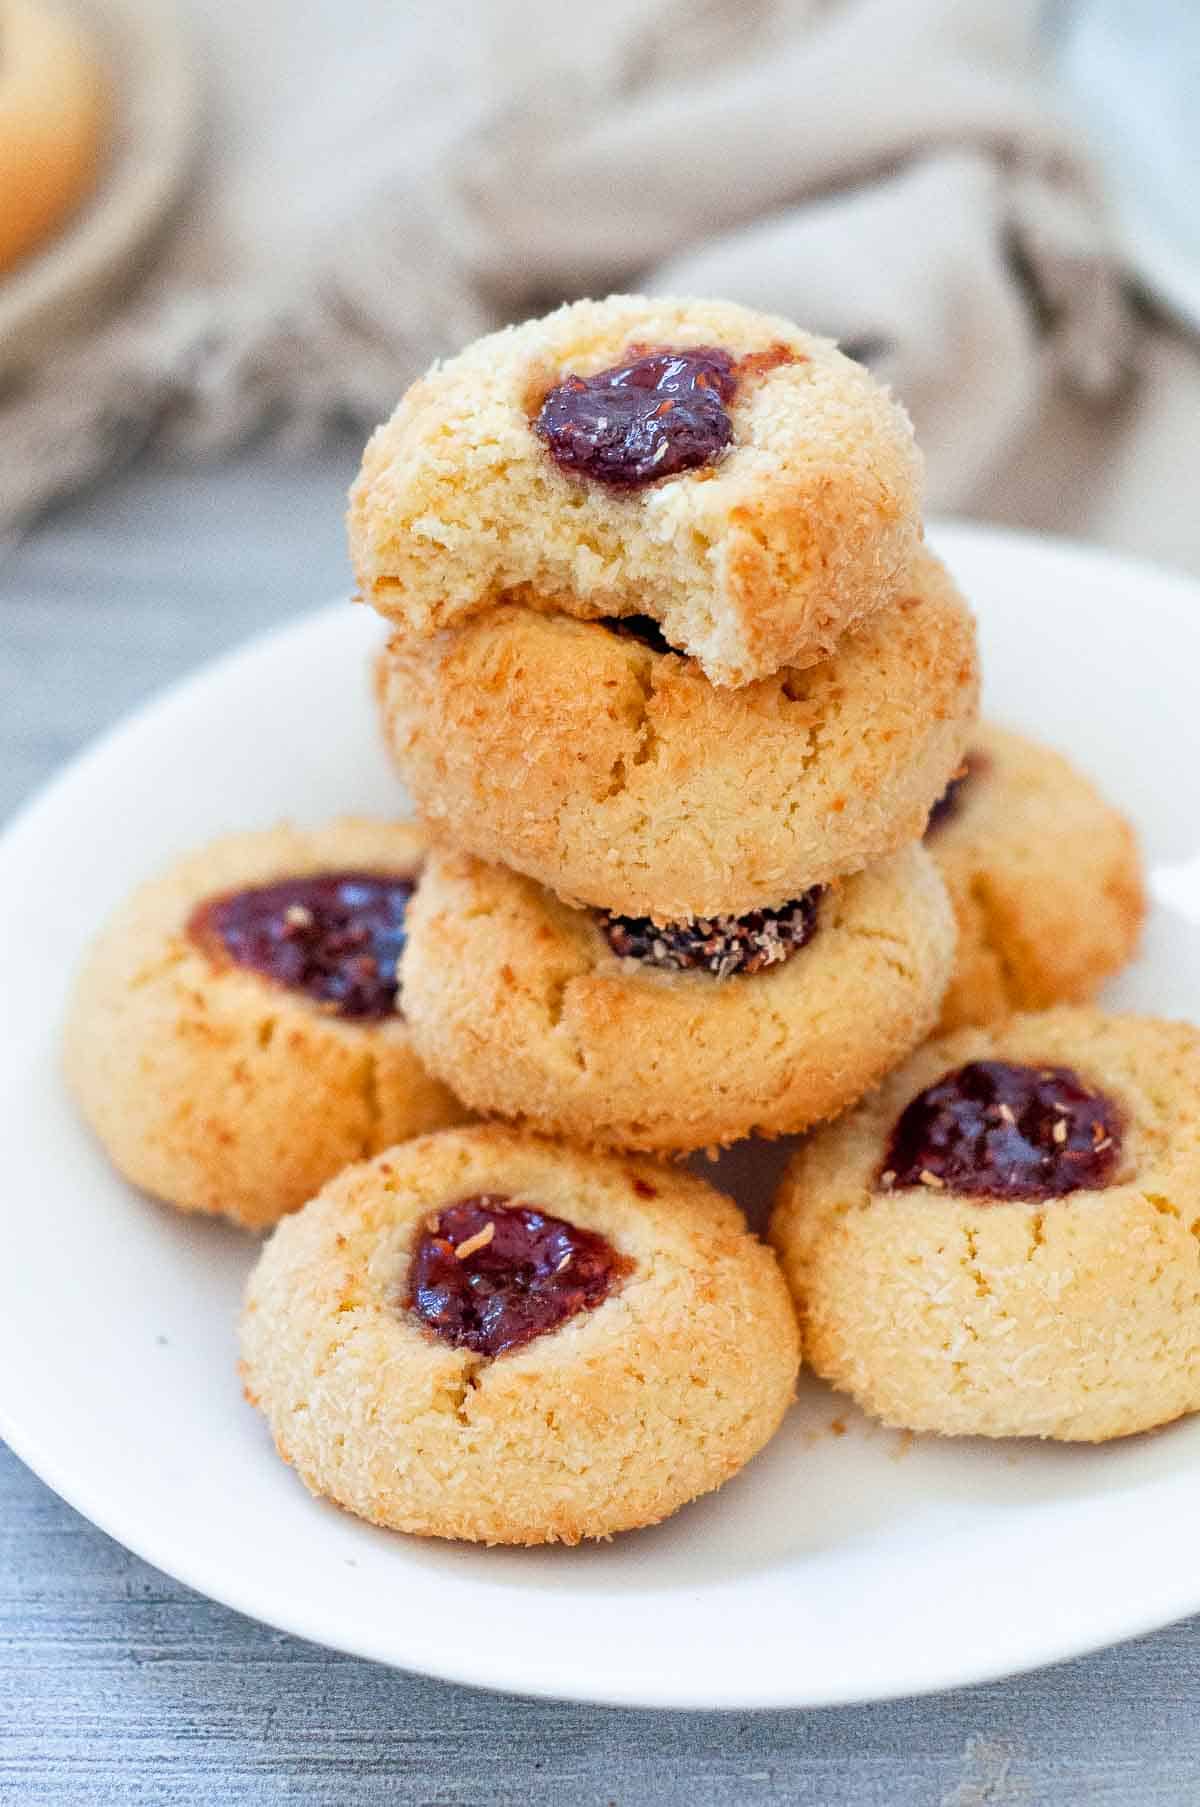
x=118, y=1685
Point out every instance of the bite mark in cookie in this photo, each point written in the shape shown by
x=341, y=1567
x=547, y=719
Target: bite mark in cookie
x=735, y=477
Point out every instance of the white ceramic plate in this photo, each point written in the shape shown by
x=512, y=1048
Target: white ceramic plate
x=838, y=1567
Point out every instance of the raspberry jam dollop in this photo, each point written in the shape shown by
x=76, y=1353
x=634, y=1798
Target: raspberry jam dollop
x=661, y=413
x=951, y=799
x=721, y=945
x=991, y=1129
x=488, y=1275
x=335, y=936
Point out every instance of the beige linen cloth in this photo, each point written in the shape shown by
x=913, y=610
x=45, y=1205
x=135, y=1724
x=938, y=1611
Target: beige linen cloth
x=382, y=183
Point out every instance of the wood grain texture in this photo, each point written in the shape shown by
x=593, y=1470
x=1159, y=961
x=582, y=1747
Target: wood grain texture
x=117, y=1685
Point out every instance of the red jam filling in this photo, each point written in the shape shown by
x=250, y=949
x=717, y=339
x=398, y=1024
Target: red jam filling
x=488, y=1275
x=995, y=1130
x=721, y=945
x=661, y=413
x=335, y=936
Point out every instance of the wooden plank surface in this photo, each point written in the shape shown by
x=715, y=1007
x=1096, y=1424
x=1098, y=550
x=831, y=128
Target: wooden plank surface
x=118, y=1685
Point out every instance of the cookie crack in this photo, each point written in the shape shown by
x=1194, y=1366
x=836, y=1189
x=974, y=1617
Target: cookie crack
x=641, y=724
x=556, y=992
x=372, y=1103
x=460, y=1391
x=647, y=733
x=994, y=940
x=554, y=1008
x=175, y=956
x=616, y=778
x=973, y=1270
x=902, y=969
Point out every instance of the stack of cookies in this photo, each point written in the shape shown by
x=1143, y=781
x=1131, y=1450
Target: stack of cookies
x=677, y=686
x=712, y=841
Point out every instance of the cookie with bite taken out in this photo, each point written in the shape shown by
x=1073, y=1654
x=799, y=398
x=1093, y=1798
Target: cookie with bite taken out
x=739, y=481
